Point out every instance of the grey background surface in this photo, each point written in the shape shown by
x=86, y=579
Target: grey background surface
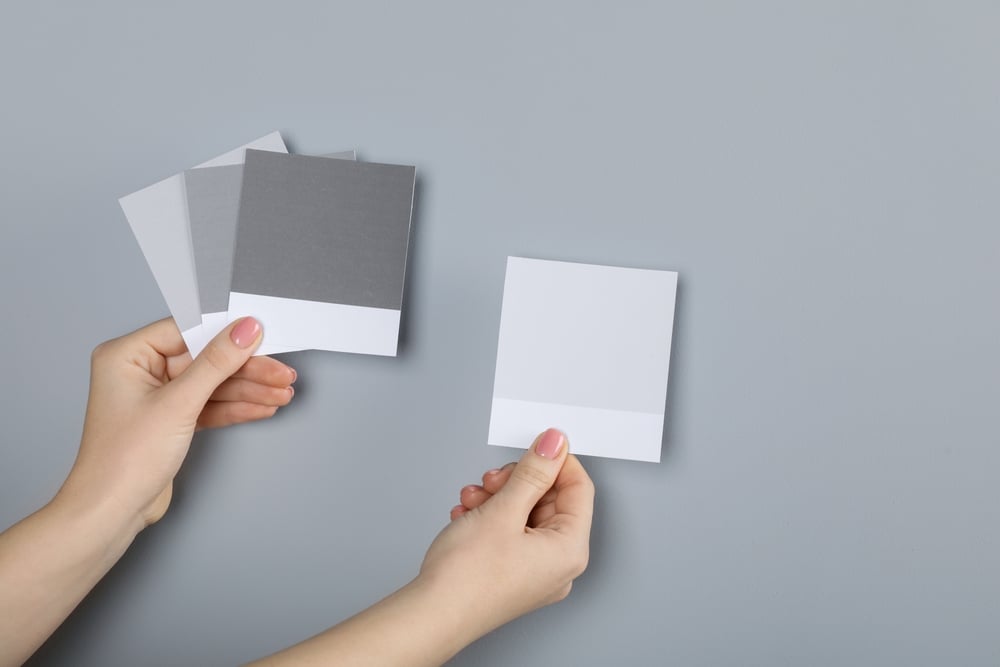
x=822, y=175
x=331, y=231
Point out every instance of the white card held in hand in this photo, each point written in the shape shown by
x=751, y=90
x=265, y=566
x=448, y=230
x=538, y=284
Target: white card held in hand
x=585, y=349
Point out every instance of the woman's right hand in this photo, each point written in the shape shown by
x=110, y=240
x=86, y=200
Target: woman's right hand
x=516, y=548
x=517, y=542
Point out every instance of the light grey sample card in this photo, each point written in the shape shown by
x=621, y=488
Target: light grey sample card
x=213, y=201
x=321, y=251
x=159, y=220
x=586, y=349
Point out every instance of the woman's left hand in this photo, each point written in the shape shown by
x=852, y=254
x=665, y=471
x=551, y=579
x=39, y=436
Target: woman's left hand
x=148, y=397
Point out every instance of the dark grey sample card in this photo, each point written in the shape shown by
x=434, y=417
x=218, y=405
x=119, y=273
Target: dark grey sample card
x=321, y=250
x=213, y=202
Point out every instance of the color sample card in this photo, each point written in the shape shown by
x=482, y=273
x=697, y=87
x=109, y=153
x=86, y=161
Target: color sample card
x=586, y=349
x=321, y=251
x=159, y=220
x=213, y=202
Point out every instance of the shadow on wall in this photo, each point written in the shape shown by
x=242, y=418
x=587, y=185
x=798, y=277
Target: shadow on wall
x=410, y=295
x=675, y=377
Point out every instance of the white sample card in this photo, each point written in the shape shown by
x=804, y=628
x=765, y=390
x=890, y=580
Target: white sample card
x=158, y=217
x=585, y=349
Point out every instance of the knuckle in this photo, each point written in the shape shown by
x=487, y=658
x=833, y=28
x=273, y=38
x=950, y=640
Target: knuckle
x=100, y=352
x=532, y=476
x=244, y=390
x=580, y=563
x=576, y=559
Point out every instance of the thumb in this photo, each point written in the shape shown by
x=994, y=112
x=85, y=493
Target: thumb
x=534, y=474
x=224, y=355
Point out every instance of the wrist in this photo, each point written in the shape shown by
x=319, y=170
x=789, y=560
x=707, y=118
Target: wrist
x=458, y=609
x=111, y=527
x=423, y=624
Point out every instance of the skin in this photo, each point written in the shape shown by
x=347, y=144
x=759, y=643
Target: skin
x=499, y=560
x=147, y=398
x=515, y=543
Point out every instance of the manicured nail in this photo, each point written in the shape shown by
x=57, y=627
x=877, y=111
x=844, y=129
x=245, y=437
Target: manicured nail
x=245, y=333
x=550, y=443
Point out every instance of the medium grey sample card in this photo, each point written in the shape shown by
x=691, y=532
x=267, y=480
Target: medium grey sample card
x=321, y=251
x=213, y=199
x=584, y=348
x=342, y=155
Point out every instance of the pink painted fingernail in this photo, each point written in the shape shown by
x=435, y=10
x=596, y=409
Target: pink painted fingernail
x=245, y=333
x=550, y=443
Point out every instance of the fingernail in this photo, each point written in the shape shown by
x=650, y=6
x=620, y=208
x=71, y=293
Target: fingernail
x=291, y=390
x=245, y=333
x=495, y=471
x=295, y=374
x=549, y=444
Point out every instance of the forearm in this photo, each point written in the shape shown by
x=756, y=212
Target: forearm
x=48, y=564
x=421, y=625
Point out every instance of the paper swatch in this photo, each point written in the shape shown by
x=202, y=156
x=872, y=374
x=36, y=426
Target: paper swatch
x=586, y=349
x=158, y=217
x=213, y=201
x=321, y=251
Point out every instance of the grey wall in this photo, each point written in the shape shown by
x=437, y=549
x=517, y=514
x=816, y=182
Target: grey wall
x=823, y=175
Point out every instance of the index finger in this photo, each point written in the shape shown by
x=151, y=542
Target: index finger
x=265, y=370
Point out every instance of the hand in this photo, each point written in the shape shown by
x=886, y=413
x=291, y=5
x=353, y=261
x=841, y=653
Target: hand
x=510, y=549
x=474, y=495
x=517, y=542
x=147, y=398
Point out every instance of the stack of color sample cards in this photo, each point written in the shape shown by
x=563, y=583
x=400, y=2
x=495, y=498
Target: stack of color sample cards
x=312, y=246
